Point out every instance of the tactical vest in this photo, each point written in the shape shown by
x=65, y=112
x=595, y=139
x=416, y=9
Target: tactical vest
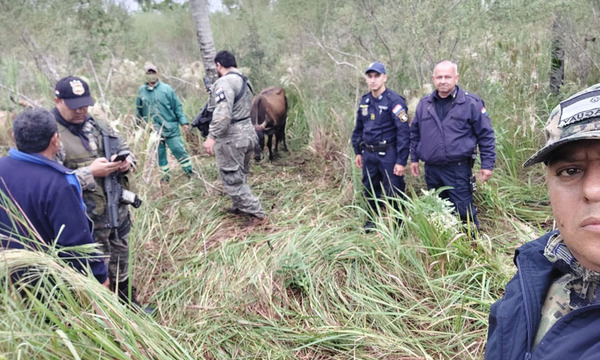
x=77, y=156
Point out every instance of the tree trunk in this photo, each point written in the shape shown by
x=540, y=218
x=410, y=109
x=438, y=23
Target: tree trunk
x=201, y=18
x=41, y=60
x=557, y=57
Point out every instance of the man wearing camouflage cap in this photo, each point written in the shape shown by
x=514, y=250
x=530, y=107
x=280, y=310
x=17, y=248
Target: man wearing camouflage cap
x=231, y=136
x=551, y=308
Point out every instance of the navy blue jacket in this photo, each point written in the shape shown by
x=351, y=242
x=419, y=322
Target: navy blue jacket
x=383, y=119
x=515, y=318
x=50, y=197
x=440, y=141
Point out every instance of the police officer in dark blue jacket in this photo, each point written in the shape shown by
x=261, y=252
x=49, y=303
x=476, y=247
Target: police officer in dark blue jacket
x=551, y=307
x=448, y=127
x=381, y=139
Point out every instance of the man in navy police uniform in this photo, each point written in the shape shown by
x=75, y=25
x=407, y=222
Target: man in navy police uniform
x=448, y=127
x=381, y=139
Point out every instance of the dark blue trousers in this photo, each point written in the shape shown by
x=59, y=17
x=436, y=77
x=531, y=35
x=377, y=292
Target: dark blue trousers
x=378, y=176
x=458, y=176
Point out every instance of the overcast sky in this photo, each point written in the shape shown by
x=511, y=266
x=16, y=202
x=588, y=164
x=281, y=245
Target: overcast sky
x=132, y=5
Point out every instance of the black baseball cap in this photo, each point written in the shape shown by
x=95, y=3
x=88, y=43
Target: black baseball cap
x=74, y=91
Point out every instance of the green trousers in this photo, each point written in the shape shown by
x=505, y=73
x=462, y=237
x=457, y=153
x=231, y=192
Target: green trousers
x=175, y=144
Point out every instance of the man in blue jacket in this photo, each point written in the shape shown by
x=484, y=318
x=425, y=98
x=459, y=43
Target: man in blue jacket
x=46, y=194
x=551, y=308
x=381, y=139
x=158, y=104
x=448, y=127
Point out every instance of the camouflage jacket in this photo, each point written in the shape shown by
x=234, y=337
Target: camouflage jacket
x=222, y=103
x=75, y=156
x=515, y=319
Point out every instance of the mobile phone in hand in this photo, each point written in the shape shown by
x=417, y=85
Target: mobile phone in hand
x=122, y=156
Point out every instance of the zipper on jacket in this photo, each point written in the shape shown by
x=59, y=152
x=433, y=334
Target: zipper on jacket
x=527, y=310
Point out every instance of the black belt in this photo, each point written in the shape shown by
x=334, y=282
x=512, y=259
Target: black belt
x=453, y=163
x=379, y=148
x=233, y=121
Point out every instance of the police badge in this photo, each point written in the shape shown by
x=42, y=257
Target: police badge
x=77, y=87
x=364, y=110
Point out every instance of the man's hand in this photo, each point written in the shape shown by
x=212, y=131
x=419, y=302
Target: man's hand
x=358, y=161
x=106, y=283
x=124, y=165
x=209, y=146
x=399, y=170
x=414, y=169
x=485, y=175
x=186, y=128
x=102, y=167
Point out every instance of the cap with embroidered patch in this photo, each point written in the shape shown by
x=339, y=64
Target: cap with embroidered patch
x=576, y=118
x=74, y=91
x=377, y=67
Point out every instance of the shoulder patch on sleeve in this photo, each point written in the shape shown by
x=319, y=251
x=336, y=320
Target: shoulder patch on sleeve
x=219, y=95
x=400, y=112
x=483, y=111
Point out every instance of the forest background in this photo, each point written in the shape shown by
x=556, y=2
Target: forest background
x=309, y=284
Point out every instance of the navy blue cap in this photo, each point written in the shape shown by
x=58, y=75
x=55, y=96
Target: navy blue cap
x=377, y=67
x=74, y=91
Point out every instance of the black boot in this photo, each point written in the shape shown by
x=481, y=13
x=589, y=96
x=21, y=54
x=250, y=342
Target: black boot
x=123, y=293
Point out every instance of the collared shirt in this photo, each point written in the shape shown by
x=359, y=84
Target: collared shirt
x=577, y=288
x=443, y=105
x=383, y=120
x=467, y=127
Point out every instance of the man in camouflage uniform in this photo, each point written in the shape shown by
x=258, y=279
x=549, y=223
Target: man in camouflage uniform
x=232, y=137
x=82, y=150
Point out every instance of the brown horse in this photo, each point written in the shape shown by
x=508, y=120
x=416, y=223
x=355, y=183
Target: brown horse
x=269, y=114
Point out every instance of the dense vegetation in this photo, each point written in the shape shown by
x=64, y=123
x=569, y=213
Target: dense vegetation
x=309, y=284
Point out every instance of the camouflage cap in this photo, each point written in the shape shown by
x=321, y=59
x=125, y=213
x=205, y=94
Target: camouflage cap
x=577, y=118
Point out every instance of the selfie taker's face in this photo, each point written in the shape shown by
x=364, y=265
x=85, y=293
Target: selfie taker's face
x=574, y=188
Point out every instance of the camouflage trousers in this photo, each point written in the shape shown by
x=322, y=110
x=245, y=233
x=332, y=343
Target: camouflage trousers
x=116, y=249
x=174, y=143
x=233, y=162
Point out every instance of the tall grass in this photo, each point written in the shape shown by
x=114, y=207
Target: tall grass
x=309, y=284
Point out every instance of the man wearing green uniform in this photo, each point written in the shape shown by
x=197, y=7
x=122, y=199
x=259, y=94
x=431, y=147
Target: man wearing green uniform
x=232, y=137
x=157, y=103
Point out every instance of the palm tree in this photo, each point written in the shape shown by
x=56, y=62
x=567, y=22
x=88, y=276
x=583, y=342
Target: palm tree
x=201, y=18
